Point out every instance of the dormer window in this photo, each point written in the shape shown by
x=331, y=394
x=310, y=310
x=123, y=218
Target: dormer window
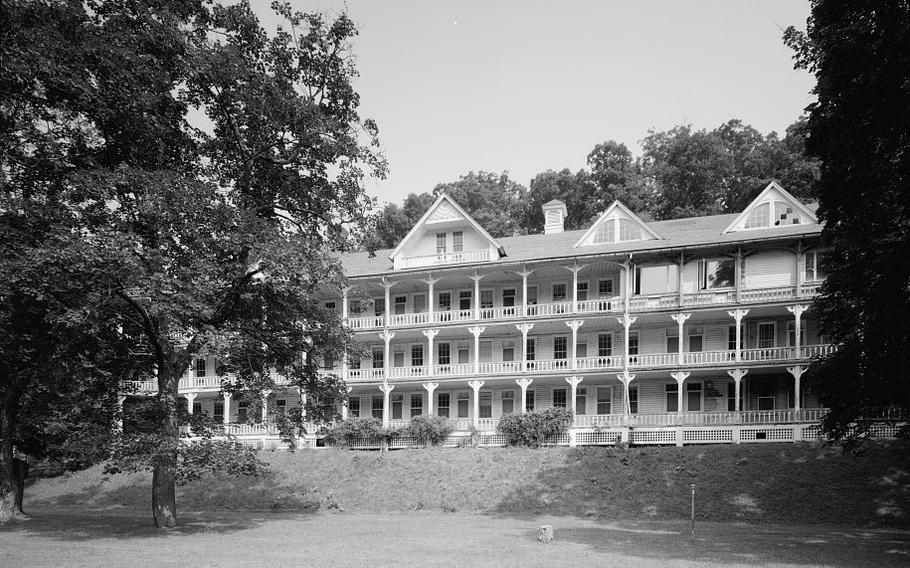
x=617, y=225
x=759, y=217
x=629, y=231
x=605, y=233
x=440, y=243
x=773, y=207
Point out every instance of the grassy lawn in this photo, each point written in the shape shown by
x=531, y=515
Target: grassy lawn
x=424, y=538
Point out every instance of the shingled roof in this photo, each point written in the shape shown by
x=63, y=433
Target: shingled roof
x=691, y=232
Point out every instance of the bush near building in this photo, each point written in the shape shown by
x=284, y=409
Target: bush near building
x=533, y=429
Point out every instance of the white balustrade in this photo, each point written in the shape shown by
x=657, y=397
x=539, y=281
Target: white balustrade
x=453, y=369
x=609, y=362
x=447, y=258
x=266, y=429
x=654, y=302
x=487, y=423
x=420, y=318
x=810, y=351
x=710, y=298
x=811, y=288
x=768, y=354
x=600, y=305
x=767, y=294
x=708, y=357
x=366, y=322
x=364, y=375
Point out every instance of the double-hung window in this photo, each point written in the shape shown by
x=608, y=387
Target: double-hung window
x=559, y=398
x=604, y=400
x=485, y=404
x=605, y=345
x=464, y=398
x=442, y=404
x=508, y=402
x=457, y=241
x=560, y=350
x=716, y=273
x=376, y=407
x=416, y=404
x=440, y=243
x=354, y=406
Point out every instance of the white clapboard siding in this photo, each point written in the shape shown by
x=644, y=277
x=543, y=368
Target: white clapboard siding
x=769, y=269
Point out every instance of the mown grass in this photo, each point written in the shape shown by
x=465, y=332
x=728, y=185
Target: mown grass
x=789, y=483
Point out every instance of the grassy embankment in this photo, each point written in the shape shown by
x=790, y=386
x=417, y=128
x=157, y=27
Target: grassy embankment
x=791, y=483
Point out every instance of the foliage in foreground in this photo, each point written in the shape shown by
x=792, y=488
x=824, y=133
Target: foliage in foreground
x=860, y=130
x=432, y=430
x=533, y=429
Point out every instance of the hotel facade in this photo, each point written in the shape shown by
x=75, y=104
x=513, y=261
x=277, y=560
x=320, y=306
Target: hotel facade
x=685, y=331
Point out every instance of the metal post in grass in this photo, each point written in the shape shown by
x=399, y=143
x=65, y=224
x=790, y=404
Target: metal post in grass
x=693, y=508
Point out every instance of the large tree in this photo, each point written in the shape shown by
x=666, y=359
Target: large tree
x=220, y=232
x=860, y=130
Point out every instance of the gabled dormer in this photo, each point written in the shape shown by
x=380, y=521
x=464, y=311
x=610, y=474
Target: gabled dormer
x=445, y=235
x=774, y=207
x=617, y=225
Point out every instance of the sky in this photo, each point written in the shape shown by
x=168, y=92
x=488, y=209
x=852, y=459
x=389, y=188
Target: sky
x=525, y=86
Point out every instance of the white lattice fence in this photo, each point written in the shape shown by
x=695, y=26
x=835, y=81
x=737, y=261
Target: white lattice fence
x=782, y=434
x=707, y=435
x=652, y=436
x=597, y=438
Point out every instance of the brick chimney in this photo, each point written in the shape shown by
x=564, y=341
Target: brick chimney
x=554, y=217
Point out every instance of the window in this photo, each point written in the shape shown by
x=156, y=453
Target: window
x=696, y=338
x=731, y=397
x=416, y=404
x=398, y=358
x=633, y=343
x=463, y=400
x=197, y=407
x=508, y=402
x=582, y=291
x=766, y=335
x=464, y=353
x=530, y=348
x=529, y=400
x=464, y=300
x=508, y=350
x=457, y=241
x=581, y=400
x=218, y=412
x=417, y=355
x=486, y=351
x=759, y=217
x=559, y=292
x=444, y=354
x=420, y=303
x=442, y=406
x=440, y=243
x=376, y=407
x=693, y=397
x=791, y=333
x=397, y=406
x=485, y=405
x=486, y=303
x=629, y=231
x=785, y=214
x=604, y=400
x=560, y=346
x=508, y=297
x=672, y=393
x=445, y=301
x=379, y=306
x=354, y=406
x=378, y=357
x=200, y=367
x=764, y=394
x=532, y=295
x=243, y=408
x=581, y=350
x=605, y=232
x=605, y=345
x=559, y=398
x=815, y=266
x=633, y=399
x=330, y=306
x=716, y=274
x=605, y=288
x=672, y=340
x=731, y=338
x=401, y=303
x=636, y=280
x=281, y=407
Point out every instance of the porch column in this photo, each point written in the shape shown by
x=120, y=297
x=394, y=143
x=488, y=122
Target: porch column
x=190, y=397
x=387, y=284
x=476, y=331
x=738, y=274
x=737, y=375
x=574, y=325
x=626, y=320
x=573, y=382
x=738, y=316
x=344, y=303
x=430, y=334
x=524, y=384
x=627, y=284
x=476, y=278
x=227, y=408
x=625, y=378
x=799, y=268
x=575, y=269
x=680, y=320
x=679, y=278
x=476, y=386
x=797, y=373
x=524, y=328
x=430, y=388
x=265, y=405
x=431, y=315
x=387, y=336
x=344, y=403
x=386, y=388
x=797, y=311
x=524, y=288
x=680, y=378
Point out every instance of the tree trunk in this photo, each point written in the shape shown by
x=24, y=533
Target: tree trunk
x=164, y=497
x=9, y=488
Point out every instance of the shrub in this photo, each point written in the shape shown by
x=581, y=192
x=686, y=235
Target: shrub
x=347, y=432
x=535, y=428
x=431, y=430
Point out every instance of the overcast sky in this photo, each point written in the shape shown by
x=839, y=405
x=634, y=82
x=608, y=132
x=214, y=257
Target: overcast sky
x=525, y=86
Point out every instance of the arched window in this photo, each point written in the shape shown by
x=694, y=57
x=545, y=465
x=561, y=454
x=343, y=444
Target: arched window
x=629, y=231
x=605, y=233
x=759, y=217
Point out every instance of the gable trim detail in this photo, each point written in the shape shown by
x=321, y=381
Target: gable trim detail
x=610, y=212
x=760, y=199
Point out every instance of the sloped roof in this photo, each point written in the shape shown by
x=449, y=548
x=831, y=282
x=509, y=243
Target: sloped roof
x=677, y=233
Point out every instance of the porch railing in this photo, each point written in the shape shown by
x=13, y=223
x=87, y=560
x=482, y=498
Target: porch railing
x=446, y=258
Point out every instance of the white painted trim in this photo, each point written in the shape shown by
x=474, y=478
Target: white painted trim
x=762, y=198
x=610, y=212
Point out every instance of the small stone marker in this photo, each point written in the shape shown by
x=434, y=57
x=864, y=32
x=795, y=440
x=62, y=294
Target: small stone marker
x=545, y=533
